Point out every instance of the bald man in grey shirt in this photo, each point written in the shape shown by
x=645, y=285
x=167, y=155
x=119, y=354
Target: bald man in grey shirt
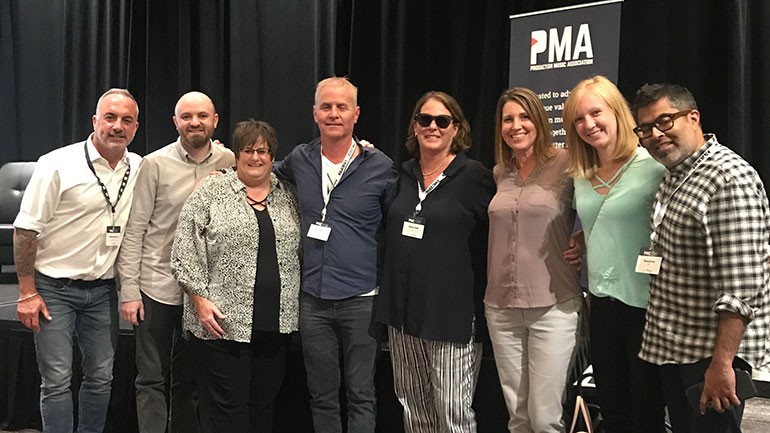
x=151, y=299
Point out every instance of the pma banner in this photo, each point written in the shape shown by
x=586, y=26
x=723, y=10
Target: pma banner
x=553, y=50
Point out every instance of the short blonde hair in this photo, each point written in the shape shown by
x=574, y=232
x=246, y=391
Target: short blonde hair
x=337, y=82
x=543, y=147
x=583, y=157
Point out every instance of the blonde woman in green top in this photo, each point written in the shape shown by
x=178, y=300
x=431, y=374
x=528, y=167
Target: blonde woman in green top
x=615, y=182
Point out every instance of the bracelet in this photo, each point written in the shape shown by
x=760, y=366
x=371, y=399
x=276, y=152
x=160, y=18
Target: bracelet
x=24, y=298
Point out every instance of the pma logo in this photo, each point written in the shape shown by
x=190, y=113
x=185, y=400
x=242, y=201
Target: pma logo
x=564, y=51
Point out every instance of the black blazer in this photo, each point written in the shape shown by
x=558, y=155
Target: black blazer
x=433, y=288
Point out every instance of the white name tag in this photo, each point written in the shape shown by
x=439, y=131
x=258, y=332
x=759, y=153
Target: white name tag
x=648, y=262
x=319, y=231
x=112, y=238
x=413, y=228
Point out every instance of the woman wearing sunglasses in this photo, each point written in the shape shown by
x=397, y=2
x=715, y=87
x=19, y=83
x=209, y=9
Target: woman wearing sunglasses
x=615, y=182
x=434, y=273
x=533, y=297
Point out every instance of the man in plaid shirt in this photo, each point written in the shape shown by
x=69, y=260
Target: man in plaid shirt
x=709, y=307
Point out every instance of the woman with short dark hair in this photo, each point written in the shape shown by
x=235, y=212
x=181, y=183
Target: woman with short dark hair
x=237, y=255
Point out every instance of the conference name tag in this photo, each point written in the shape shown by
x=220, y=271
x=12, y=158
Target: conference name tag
x=112, y=238
x=413, y=227
x=319, y=231
x=648, y=262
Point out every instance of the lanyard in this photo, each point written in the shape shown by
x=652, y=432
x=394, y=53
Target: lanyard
x=661, y=206
x=423, y=194
x=332, y=184
x=106, y=193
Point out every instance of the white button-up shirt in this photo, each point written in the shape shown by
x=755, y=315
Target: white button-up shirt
x=65, y=205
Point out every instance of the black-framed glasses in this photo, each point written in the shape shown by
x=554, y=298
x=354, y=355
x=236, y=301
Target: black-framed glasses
x=443, y=121
x=262, y=151
x=663, y=123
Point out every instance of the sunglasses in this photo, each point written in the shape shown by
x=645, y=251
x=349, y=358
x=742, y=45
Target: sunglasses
x=443, y=121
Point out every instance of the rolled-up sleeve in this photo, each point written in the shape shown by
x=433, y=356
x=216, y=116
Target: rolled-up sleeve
x=736, y=232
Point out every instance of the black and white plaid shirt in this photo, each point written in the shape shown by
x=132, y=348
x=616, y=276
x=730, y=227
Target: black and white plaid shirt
x=714, y=242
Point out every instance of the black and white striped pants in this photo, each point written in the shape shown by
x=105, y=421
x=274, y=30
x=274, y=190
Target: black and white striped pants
x=435, y=382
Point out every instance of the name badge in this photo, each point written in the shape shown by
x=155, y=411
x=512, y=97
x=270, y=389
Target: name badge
x=112, y=238
x=413, y=227
x=319, y=231
x=648, y=262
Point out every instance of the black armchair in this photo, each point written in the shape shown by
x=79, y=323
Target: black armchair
x=14, y=177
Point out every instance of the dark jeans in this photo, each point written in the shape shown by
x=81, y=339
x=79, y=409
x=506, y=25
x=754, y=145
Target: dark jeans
x=684, y=419
x=165, y=381
x=628, y=388
x=241, y=382
x=328, y=328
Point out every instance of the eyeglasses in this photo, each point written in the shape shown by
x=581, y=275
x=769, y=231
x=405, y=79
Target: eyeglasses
x=663, y=123
x=443, y=121
x=262, y=151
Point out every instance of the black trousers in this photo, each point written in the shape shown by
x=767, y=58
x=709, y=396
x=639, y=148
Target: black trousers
x=628, y=388
x=165, y=379
x=684, y=419
x=240, y=382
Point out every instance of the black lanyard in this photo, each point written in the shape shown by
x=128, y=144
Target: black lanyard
x=106, y=193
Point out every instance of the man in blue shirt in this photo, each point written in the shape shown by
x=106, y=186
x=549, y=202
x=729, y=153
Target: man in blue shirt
x=344, y=190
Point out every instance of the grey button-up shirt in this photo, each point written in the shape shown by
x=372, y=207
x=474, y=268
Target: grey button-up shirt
x=166, y=178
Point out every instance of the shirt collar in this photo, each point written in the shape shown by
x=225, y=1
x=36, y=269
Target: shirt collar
x=685, y=166
x=95, y=156
x=412, y=166
x=185, y=155
x=237, y=185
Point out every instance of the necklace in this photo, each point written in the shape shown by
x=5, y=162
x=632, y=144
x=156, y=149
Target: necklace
x=440, y=166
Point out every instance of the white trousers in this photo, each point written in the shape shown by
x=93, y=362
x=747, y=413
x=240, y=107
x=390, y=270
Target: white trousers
x=435, y=382
x=533, y=349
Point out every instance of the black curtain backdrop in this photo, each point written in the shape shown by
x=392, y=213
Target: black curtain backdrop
x=262, y=59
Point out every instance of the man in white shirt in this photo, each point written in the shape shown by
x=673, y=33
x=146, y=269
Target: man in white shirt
x=150, y=297
x=66, y=239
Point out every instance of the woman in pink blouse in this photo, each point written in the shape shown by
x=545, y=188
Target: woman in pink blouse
x=533, y=297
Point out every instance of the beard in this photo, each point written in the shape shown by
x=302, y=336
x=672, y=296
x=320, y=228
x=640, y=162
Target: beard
x=196, y=141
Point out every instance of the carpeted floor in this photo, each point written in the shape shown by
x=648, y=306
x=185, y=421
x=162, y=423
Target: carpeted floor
x=756, y=419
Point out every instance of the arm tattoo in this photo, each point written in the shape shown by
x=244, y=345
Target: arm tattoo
x=24, y=251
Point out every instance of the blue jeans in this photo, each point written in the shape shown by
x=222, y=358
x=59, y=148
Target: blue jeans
x=89, y=311
x=330, y=328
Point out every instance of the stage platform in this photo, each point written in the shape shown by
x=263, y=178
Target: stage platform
x=20, y=382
